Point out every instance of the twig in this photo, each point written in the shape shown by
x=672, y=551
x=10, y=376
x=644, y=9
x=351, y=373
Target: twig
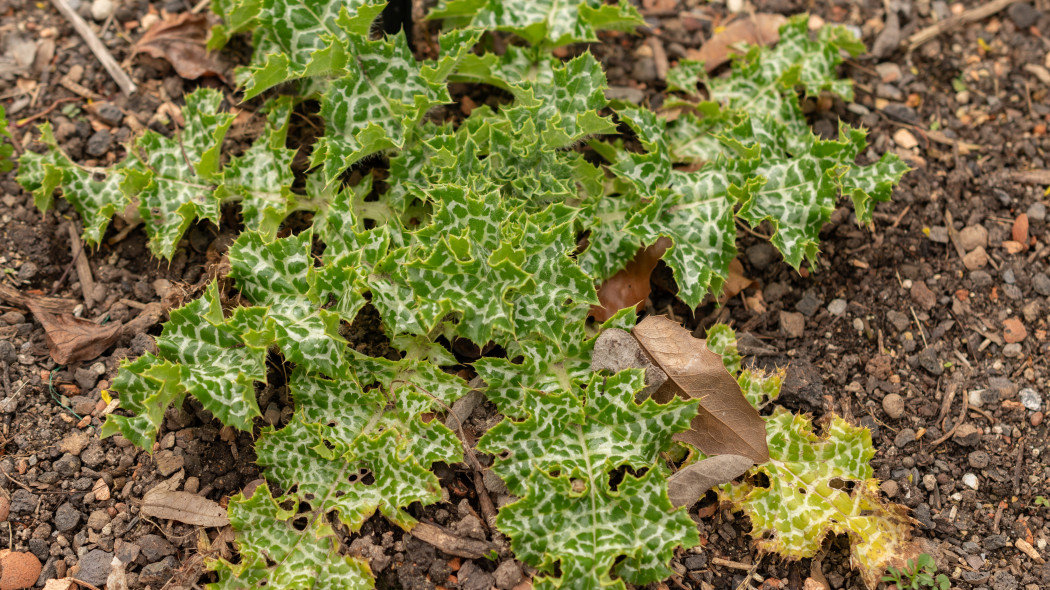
x=968, y=16
x=62, y=279
x=947, y=435
x=54, y=105
x=104, y=56
x=87, y=282
x=736, y=565
x=1017, y=467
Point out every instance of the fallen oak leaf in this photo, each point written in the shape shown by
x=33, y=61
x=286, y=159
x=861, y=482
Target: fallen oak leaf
x=676, y=363
x=181, y=40
x=71, y=339
x=184, y=507
x=630, y=286
x=725, y=422
x=758, y=29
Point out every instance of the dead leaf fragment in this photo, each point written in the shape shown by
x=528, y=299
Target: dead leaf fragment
x=184, y=507
x=688, y=485
x=735, y=282
x=1014, y=330
x=629, y=286
x=725, y=422
x=759, y=29
x=71, y=339
x=181, y=40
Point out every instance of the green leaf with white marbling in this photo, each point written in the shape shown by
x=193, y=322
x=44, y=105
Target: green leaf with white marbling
x=560, y=460
x=6, y=149
x=262, y=178
x=201, y=353
x=297, y=39
x=174, y=178
x=276, y=549
x=819, y=485
x=379, y=99
x=354, y=450
x=94, y=192
x=547, y=22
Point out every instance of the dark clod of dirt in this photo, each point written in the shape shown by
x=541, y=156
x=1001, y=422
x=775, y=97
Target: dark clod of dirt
x=1023, y=14
x=99, y=143
x=95, y=566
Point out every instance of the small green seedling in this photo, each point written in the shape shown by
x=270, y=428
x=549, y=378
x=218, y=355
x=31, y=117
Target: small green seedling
x=1041, y=501
x=918, y=573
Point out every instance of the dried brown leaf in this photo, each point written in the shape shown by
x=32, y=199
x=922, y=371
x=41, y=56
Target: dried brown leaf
x=735, y=282
x=184, y=507
x=757, y=29
x=71, y=339
x=725, y=422
x=181, y=40
x=629, y=286
x=686, y=486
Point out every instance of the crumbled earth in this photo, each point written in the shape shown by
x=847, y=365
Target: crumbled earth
x=937, y=311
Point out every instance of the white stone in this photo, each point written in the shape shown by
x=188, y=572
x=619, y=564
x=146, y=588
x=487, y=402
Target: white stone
x=976, y=398
x=970, y=480
x=1031, y=399
x=837, y=307
x=905, y=139
x=101, y=9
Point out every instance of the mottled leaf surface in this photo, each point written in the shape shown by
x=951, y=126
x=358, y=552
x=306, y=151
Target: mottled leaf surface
x=560, y=459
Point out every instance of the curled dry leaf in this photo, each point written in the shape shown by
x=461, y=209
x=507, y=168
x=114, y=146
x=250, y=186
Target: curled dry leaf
x=181, y=40
x=758, y=29
x=735, y=283
x=687, y=485
x=184, y=507
x=71, y=339
x=629, y=286
x=725, y=422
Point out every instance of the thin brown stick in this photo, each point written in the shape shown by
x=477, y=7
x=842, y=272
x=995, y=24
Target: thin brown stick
x=968, y=16
x=87, y=282
x=95, y=44
x=947, y=435
x=45, y=112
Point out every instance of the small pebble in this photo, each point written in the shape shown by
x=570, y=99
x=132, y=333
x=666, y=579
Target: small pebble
x=904, y=138
x=1037, y=212
x=978, y=459
x=1031, y=399
x=976, y=259
x=890, y=488
x=101, y=9
x=929, y=481
x=792, y=324
x=972, y=237
x=970, y=480
x=837, y=307
x=893, y=405
x=905, y=437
